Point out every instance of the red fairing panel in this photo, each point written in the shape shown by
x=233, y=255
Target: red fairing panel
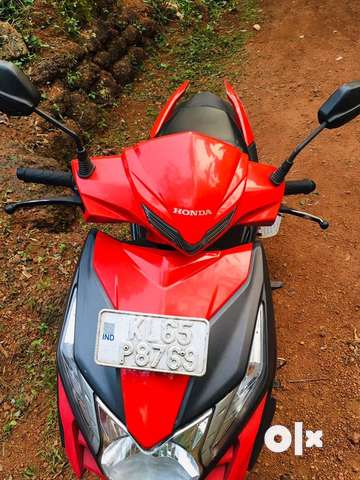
x=239, y=466
x=76, y=448
x=234, y=464
x=188, y=172
x=107, y=194
x=168, y=109
x=243, y=120
x=164, y=282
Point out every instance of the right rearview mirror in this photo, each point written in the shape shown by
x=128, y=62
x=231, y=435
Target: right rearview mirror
x=342, y=107
x=18, y=96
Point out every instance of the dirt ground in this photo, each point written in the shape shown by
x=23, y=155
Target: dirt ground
x=304, y=50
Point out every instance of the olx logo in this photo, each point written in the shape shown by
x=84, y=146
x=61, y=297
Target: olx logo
x=279, y=439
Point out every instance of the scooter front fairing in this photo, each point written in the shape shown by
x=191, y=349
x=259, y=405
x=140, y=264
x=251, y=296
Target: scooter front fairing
x=173, y=426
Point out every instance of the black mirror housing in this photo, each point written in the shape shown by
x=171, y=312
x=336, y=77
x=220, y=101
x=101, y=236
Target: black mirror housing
x=342, y=107
x=18, y=96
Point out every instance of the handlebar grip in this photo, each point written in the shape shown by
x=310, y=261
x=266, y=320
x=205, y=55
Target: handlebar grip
x=296, y=187
x=45, y=177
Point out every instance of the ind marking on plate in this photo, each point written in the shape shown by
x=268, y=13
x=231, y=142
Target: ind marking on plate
x=158, y=343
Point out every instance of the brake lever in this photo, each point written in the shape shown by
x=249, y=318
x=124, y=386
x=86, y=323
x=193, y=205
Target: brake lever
x=324, y=224
x=73, y=201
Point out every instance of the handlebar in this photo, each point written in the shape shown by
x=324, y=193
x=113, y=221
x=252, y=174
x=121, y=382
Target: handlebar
x=45, y=177
x=296, y=187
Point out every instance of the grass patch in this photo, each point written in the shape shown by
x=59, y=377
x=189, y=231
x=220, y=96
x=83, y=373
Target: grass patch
x=207, y=46
x=77, y=14
x=15, y=12
x=189, y=11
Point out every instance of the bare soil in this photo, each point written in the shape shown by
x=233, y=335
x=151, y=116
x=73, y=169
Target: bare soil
x=304, y=50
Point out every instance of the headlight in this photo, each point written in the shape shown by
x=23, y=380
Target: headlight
x=177, y=459
x=228, y=410
x=81, y=395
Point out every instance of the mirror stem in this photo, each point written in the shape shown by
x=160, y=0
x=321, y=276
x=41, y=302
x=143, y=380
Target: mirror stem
x=86, y=167
x=279, y=175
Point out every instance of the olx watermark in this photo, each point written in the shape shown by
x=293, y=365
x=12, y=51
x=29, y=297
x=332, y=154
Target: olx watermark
x=278, y=439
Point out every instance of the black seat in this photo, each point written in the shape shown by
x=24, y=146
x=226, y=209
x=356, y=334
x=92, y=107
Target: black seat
x=208, y=114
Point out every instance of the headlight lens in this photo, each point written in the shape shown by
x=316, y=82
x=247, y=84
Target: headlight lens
x=177, y=459
x=227, y=410
x=77, y=388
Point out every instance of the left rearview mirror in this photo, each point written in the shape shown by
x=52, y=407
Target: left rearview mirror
x=342, y=107
x=18, y=96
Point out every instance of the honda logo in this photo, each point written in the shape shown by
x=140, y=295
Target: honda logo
x=192, y=213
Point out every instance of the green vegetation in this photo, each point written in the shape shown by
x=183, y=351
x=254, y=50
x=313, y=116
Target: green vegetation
x=190, y=11
x=29, y=472
x=15, y=12
x=205, y=48
x=34, y=43
x=72, y=78
x=76, y=13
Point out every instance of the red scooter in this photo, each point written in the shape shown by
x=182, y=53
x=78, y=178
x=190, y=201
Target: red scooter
x=167, y=354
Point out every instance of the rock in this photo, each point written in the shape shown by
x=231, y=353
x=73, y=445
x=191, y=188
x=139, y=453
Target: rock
x=116, y=48
x=102, y=32
x=93, y=44
x=131, y=35
x=57, y=101
x=12, y=45
x=83, y=111
x=339, y=58
x=123, y=71
x=88, y=74
x=150, y=27
x=355, y=438
x=107, y=88
x=257, y=27
x=57, y=65
x=136, y=55
x=103, y=59
x=122, y=21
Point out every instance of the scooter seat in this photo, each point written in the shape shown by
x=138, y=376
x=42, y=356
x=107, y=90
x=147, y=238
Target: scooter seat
x=208, y=114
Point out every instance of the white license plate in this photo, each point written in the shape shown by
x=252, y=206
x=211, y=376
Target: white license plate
x=152, y=342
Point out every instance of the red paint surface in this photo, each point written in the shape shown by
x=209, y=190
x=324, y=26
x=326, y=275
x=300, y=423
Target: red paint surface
x=243, y=120
x=76, y=448
x=184, y=172
x=217, y=474
x=164, y=282
x=239, y=466
x=168, y=109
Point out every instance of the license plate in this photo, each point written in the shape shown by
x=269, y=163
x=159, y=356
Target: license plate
x=156, y=343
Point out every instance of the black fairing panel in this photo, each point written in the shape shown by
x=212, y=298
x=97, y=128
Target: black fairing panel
x=231, y=333
x=91, y=298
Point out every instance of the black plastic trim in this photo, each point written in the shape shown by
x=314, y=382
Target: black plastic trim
x=231, y=333
x=91, y=298
x=265, y=385
x=175, y=237
x=252, y=151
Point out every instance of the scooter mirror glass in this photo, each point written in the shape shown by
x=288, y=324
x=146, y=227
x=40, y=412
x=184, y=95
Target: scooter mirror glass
x=18, y=96
x=342, y=107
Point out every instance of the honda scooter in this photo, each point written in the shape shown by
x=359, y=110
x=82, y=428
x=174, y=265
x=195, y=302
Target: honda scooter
x=167, y=354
